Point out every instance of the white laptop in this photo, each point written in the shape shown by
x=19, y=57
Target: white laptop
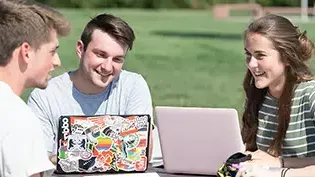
x=197, y=140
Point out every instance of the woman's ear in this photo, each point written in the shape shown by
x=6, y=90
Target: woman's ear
x=284, y=59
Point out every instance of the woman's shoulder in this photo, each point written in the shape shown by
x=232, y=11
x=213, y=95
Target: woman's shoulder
x=305, y=88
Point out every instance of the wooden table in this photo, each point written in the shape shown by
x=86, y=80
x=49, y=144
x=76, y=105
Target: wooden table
x=160, y=172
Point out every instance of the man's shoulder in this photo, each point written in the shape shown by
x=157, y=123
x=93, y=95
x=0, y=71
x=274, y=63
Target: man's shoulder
x=129, y=74
x=9, y=101
x=24, y=116
x=129, y=77
x=59, y=80
x=55, y=85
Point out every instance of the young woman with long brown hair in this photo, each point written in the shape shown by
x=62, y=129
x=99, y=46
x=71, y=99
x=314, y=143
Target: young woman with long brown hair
x=279, y=115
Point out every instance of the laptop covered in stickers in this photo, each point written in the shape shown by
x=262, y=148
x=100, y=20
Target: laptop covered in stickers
x=103, y=144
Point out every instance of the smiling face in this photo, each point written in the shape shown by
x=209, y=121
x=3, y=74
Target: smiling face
x=101, y=62
x=264, y=63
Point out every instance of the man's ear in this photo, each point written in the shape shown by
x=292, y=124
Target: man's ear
x=26, y=52
x=80, y=49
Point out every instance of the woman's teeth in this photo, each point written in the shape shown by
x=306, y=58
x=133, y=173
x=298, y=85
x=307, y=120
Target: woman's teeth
x=259, y=73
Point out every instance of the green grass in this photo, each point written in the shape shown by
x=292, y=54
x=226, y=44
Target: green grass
x=187, y=57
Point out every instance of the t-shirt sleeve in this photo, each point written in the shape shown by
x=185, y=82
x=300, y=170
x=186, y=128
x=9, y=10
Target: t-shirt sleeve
x=139, y=99
x=40, y=109
x=312, y=100
x=24, y=152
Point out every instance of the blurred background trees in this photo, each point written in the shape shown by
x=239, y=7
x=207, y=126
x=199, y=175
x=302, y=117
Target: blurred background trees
x=156, y=4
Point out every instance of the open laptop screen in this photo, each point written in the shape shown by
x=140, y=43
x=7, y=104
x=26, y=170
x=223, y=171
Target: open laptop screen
x=197, y=140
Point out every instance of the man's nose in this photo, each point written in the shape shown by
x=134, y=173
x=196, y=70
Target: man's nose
x=56, y=61
x=107, y=65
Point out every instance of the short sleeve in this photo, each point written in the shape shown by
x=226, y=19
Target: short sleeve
x=139, y=99
x=312, y=100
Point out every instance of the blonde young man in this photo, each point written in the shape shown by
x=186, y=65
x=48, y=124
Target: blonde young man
x=28, y=45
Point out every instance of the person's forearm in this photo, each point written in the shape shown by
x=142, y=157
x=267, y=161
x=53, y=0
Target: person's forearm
x=53, y=159
x=150, y=145
x=294, y=162
x=301, y=172
x=36, y=175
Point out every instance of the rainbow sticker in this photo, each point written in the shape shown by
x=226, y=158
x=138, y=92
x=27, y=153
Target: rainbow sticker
x=104, y=143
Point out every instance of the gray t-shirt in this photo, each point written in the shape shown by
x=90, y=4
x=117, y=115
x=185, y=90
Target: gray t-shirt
x=126, y=94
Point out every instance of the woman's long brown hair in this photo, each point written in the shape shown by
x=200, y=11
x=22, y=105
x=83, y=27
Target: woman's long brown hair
x=295, y=48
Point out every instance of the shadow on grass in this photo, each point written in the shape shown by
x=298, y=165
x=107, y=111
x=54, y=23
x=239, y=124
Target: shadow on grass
x=213, y=35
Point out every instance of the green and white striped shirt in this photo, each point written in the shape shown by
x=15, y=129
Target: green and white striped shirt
x=300, y=136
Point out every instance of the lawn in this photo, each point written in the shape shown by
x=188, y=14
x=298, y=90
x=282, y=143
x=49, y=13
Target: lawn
x=187, y=57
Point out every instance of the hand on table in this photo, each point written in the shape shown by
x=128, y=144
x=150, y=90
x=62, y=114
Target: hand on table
x=252, y=170
x=53, y=159
x=264, y=159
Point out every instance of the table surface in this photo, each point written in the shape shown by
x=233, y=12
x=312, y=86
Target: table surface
x=159, y=171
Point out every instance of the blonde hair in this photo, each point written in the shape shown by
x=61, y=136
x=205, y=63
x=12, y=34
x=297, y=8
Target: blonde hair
x=31, y=23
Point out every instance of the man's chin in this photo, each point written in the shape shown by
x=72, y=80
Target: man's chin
x=37, y=85
x=102, y=85
x=104, y=82
x=105, y=79
x=42, y=86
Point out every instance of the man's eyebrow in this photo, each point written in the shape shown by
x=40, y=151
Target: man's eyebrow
x=121, y=56
x=55, y=48
x=99, y=50
x=104, y=52
x=259, y=51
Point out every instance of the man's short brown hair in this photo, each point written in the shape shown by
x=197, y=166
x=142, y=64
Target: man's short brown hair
x=112, y=25
x=31, y=23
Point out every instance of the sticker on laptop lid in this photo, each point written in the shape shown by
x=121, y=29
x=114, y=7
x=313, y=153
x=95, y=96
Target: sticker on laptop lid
x=103, y=144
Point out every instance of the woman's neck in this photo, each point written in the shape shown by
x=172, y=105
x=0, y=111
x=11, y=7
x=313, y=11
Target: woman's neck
x=276, y=88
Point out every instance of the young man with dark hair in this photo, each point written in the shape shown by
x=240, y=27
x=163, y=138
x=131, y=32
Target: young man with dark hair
x=99, y=86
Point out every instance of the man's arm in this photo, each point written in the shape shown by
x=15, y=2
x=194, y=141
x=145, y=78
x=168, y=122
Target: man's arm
x=139, y=99
x=140, y=102
x=40, y=108
x=150, y=145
